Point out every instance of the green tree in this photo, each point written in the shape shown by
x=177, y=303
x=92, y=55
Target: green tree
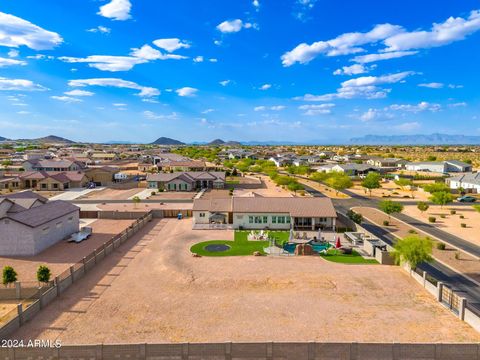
x=413, y=250
x=390, y=207
x=431, y=158
x=403, y=182
x=436, y=187
x=422, y=206
x=441, y=198
x=339, y=182
x=476, y=207
x=136, y=200
x=372, y=181
x=9, y=275
x=294, y=186
x=43, y=274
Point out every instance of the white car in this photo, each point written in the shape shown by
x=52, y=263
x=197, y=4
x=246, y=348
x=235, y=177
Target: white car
x=83, y=234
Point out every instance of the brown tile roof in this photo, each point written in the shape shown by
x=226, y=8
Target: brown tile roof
x=39, y=215
x=296, y=207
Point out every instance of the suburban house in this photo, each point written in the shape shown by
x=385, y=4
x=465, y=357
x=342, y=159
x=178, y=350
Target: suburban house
x=53, y=181
x=352, y=169
x=52, y=165
x=10, y=183
x=29, y=223
x=469, y=182
x=187, y=181
x=186, y=165
x=266, y=213
x=439, y=166
x=386, y=162
x=101, y=176
x=281, y=161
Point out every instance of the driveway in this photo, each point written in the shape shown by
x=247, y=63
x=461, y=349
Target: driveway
x=73, y=194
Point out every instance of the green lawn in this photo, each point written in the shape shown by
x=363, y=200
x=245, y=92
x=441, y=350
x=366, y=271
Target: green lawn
x=240, y=246
x=355, y=258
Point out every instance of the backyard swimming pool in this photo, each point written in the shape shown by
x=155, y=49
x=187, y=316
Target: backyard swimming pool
x=317, y=247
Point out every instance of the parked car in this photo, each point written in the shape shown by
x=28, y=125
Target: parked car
x=83, y=234
x=466, y=198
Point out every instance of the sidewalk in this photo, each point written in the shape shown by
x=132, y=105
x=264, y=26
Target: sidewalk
x=465, y=264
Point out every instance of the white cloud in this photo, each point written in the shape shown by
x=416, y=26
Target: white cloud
x=265, y=86
x=256, y=4
x=273, y=108
x=13, y=53
x=116, y=10
x=453, y=86
x=198, y=59
x=451, y=30
x=363, y=87
x=100, y=29
x=41, y=57
x=459, y=104
x=171, y=44
x=107, y=62
x=213, y=60
x=114, y=82
x=79, y=93
x=207, y=111
x=420, y=107
x=66, y=99
x=148, y=53
x=119, y=104
x=15, y=32
x=225, y=82
x=432, y=85
x=186, y=91
x=153, y=116
x=19, y=85
x=11, y=62
x=233, y=26
x=369, y=115
x=342, y=45
x=321, y=109
x=354, y=69
x=363, y=59
x=23, y=112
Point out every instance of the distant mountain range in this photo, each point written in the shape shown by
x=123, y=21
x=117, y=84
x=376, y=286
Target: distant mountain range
x=50, y=139
x=420, y=139
x=167, y=141
x=220, y=142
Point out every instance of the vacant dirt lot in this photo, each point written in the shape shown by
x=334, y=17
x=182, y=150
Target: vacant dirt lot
x=62, y=255
x=112, y=194
x=152, y=290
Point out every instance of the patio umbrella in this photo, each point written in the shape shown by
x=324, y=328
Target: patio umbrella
x=291, y=235
x=319, y=234
x=338, y=244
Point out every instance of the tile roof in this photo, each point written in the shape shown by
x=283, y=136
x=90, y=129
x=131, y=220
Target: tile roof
x=39, y=215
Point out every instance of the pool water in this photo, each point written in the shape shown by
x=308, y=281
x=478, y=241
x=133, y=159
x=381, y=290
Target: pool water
x=290, y=247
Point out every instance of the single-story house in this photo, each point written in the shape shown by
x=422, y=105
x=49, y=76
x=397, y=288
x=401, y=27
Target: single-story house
x=187, y=181
x=439, y=166
x=386, y=162
x=101, y=176
x=10, y=183
x=52, y=181
x=470, y=182
x=266, y=213
x=52, y=165
x=352, y=169
x=188, y=165
x=29, y=223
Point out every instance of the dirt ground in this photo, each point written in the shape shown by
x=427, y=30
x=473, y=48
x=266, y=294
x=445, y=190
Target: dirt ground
x=325, y=190
x=112, y=194
x=268, y=189
x=62, y=255
x=152, y=290
x=173, y=195
x=392, y=191
x=451, y=223
x=465, y=263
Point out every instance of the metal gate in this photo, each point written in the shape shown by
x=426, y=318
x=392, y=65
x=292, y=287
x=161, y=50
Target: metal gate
x=450, y=299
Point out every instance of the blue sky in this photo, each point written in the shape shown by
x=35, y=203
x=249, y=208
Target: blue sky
x=283, y=70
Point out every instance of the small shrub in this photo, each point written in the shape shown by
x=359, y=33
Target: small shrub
x=432, y=219
x=463, y=225
x=443, y=216
x=453, y=212
x=411, y=231
x=441, y=246
x=9, y=275
x=386, y=223
x=153, y=193
x=457, y=255
x=462, y=217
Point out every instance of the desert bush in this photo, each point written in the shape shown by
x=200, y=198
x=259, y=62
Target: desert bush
x=441, y=246
x=432, y=219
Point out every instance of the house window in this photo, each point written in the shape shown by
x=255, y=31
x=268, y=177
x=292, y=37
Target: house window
x=59, y=224
x=45, y=230
x=70, y=219
x=55, y=186
x=288, y=219
x=250, y=219
x=44, y=186
x=202, y=214
x=274, y=219
x=265, y=219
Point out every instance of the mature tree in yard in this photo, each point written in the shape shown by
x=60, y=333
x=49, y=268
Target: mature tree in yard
x=339, y=182
x=136, y=200
x=294, y=186
x=436, y=187
x=390, y=207
x=441, y=198
x=413, y=250
x=422, y=206
x=9, y=275
x=372, y=181
x=403, y=182
x=43, y=274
